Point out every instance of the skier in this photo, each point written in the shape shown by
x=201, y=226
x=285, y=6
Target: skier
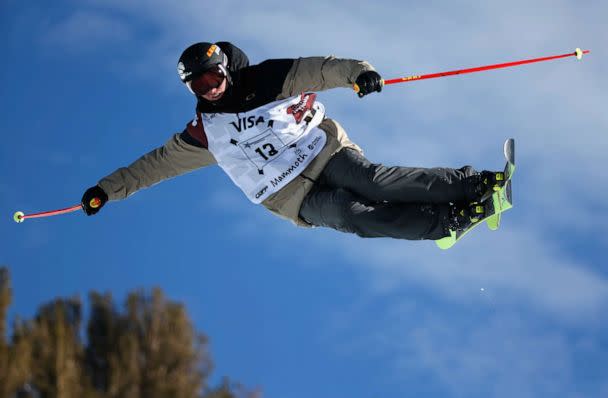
x=263, y=125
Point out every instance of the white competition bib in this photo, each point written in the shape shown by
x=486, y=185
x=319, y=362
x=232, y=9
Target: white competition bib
x=264, y=149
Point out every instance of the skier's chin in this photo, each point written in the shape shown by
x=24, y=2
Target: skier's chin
x=213, y=98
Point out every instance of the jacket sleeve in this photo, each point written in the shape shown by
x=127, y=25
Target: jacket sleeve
x=174, y=158
x=322, y=73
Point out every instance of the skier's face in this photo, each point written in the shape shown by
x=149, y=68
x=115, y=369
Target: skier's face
x=216, y=93
x=210, y=85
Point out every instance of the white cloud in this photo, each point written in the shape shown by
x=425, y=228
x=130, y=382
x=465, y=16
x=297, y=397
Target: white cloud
x=498, y=355
x=515, y=265
x=85, y=30
x=476, y=348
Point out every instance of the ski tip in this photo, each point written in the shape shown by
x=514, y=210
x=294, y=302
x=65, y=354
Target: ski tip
x=509, y=150
x=445, y=245
x=447, y=242
x=19, y=217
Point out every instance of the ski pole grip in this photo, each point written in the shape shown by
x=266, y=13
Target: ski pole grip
x=358, y=89
x=95, y=203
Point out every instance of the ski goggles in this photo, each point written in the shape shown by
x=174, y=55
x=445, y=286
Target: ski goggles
x=207, y=81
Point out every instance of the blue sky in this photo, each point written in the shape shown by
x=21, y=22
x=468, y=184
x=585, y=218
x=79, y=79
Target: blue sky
x=89, y=86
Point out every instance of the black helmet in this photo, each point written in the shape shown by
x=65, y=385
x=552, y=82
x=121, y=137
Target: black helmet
x=199, y=58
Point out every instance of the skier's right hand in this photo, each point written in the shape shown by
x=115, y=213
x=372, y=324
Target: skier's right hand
x=368, y=82
x=93, y=200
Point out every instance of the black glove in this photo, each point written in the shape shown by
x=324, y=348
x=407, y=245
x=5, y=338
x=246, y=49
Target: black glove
x=93, y=200
x=369, y=82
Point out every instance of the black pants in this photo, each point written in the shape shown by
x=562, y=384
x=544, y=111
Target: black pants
x=372, y=200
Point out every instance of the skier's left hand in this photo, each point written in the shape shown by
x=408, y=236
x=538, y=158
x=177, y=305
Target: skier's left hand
x=93, y=200
x=368, y=82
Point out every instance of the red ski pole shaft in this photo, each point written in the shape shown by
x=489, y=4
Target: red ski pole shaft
x=578, y=53
x=20, y=217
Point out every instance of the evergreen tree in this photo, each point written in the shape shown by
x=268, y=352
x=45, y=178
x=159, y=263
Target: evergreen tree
x=150, y=350
x=56, y=349
x=20, y=361
x=102, y=349
x=229, y=389
x=5, y=301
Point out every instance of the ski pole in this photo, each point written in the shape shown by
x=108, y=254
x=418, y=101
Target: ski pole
x=20, y=217
x=578, y=53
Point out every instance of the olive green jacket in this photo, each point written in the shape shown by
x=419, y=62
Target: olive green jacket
x=178, y=157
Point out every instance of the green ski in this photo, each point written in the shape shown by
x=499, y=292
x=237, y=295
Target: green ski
x=494, y=205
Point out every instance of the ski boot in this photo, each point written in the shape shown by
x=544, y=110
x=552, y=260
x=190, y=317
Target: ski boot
x=484, y=184
x=463, y=216
x=492, y=181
